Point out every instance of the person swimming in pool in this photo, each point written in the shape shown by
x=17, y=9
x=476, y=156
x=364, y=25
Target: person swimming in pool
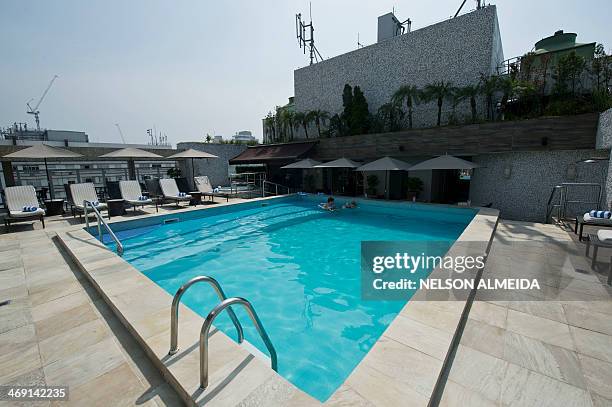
x=330, y=205
x=350, y=205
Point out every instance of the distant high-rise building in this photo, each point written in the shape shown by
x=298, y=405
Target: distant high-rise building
x=243, y=136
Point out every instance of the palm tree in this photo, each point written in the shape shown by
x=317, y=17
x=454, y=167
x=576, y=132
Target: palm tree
x=390, y=116
x=407, y=93
x=302, y=119
x=270, y=122
x=319, y=117
x=488, y=86
x=469, y=92
x=289, y=119
x=438, y=91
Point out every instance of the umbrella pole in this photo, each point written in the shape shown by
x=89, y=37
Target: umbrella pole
x=51, y=194
x=192, y=174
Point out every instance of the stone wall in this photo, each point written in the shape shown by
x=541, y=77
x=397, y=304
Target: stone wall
x=519, y=184
x=604, y=142
x=456, y=50
x=217, y=169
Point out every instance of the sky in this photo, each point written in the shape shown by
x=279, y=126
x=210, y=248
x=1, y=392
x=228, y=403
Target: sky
x=191, y=68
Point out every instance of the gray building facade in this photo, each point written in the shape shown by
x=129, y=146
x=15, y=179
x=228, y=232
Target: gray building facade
x=457, y=50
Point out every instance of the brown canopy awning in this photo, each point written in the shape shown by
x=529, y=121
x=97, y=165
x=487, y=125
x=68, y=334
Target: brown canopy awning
x=273, y=153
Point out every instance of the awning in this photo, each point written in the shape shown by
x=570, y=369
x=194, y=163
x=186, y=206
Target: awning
x=274, y=153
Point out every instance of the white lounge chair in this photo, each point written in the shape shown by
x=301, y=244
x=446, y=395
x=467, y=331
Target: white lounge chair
x=205, y=187
x=603, y=238
x=85, y=192
x=171, y=192
x=17, y=199
x=132, y=194
x=587, y=219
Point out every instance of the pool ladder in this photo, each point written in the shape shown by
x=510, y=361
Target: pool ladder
x=225, y=303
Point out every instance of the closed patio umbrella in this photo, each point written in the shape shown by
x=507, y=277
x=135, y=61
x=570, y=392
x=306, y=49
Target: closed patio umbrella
x=130, y=154
x=191, y=153
x=385, y=164
x=45, y=152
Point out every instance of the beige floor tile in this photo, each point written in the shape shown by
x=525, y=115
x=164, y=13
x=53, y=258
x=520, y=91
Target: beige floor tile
x=543, y=329
x=588, y=319
x=59, y=305
x=15, y=364
x=346, y=396
x=484, y=338
x=456, y=395
x=15, y=314
x=489, y=313
x=58, y=323
x=593, y=344
x=380, y=390
x=421, y=337
x=522, y=387
x=599, y=401
x=427, y=313
x=55, y=291
x=598, y=375
x=85, y=364
x=117, y=387
x=17, y=339
x=478, y=372
x=70, y=341
x=553, y=361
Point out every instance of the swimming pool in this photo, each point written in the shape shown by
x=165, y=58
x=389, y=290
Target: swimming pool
x=298, y=265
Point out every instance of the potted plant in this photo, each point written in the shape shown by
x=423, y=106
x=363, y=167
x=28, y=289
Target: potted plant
x=174, y=172
x=414, y=185
x=372, y=184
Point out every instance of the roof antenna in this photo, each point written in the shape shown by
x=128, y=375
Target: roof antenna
x=305, y=36
x=359, y=44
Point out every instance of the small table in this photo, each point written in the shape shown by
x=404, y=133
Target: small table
x=54, y=207
x=115, y=207
x=196, y=198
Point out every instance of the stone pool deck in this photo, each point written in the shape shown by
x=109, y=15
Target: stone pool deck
x=58, y=330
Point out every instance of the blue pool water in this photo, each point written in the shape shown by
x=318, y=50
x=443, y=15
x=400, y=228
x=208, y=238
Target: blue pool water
x=297, y=264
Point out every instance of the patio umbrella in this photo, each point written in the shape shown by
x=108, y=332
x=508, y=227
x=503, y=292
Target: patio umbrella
x=306, y=164
x=303, y=164
x=385, y=164
x=45, y=152
x=131, y=153
x=444, y=162
x=191, y=153
x=339, y=163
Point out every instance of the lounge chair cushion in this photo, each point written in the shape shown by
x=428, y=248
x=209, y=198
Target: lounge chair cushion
x=605, y=236
x=602, y=221
x=132, y=194
x=203, y=184
x=171, y=191
x=19, y=197
x=85, y=192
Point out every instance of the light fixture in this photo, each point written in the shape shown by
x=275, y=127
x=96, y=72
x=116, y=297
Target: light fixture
x=507, y=171
x=571, y=172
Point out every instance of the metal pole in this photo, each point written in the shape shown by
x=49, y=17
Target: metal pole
x=51, y=193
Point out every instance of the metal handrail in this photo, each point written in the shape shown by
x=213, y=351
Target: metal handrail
x=206, y=328
x=101, y=221
x=263, y=187
x=175, y=309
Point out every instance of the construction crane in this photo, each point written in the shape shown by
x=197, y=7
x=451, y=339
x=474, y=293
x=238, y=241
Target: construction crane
x=120, y=132
x=34, y=110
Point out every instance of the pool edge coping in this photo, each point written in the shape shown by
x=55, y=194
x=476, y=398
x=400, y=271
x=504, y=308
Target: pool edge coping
x=479, y=227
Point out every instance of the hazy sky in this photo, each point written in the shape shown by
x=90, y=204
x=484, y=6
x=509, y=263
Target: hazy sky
x=196, y=67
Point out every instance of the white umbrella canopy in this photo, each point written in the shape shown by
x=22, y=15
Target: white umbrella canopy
x=303, y=164
x=444, y=162
x=130, y=153
x=45, y=152
x=191, y=153
x=385, y=164
x=339, y=163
